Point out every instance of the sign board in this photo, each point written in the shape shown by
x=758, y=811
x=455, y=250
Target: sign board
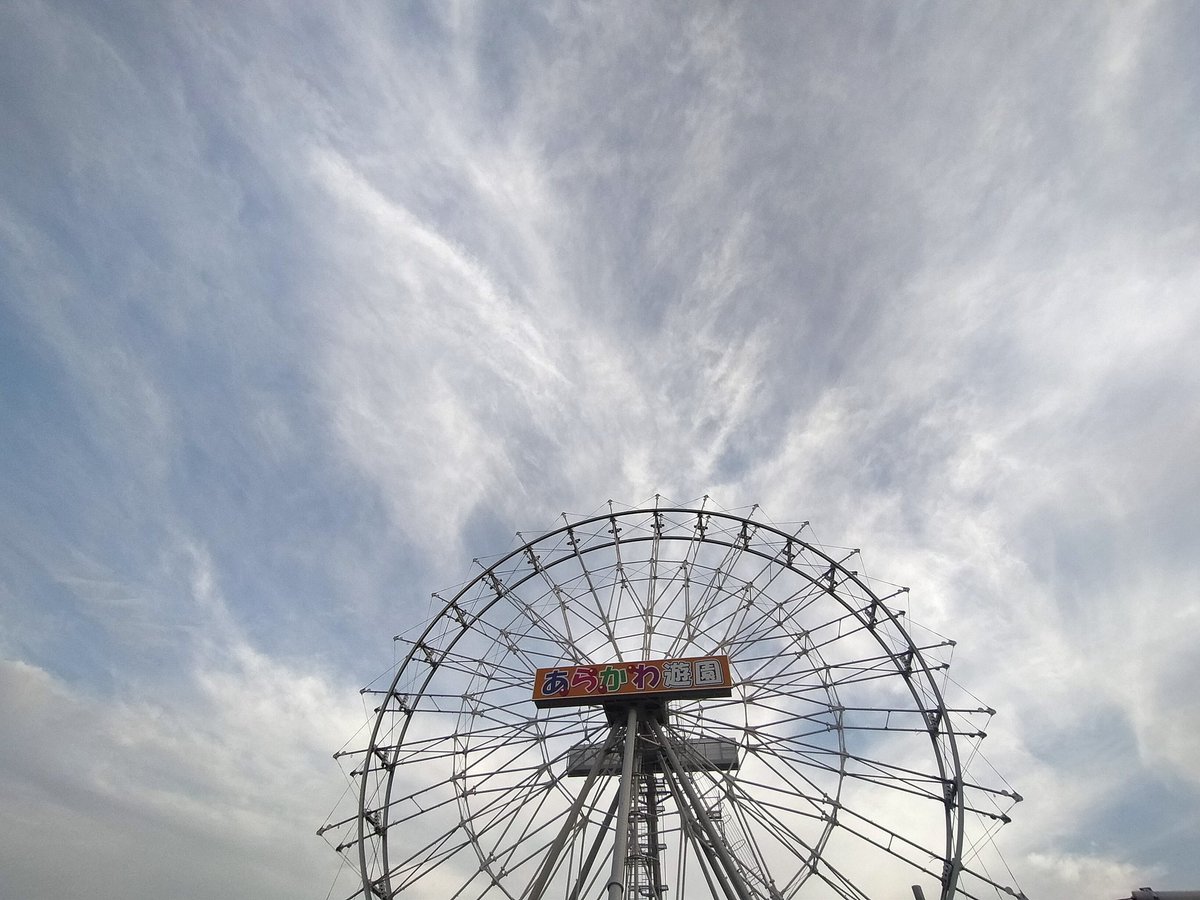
x=665, y=679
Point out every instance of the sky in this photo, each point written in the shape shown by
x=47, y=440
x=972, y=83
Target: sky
x=304, y=306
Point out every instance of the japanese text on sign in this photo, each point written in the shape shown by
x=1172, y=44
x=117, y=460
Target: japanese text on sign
x=704, y=676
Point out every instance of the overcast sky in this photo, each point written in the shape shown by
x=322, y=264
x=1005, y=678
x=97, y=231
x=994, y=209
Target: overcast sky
x=304, y=306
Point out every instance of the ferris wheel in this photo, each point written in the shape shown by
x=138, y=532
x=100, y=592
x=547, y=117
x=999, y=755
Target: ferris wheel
x=672, y=702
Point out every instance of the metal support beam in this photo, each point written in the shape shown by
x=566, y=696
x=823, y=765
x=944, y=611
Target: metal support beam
x=586, y=869
x=710, y=866
x=616, y=878
x=538, y=886
x=697, y=805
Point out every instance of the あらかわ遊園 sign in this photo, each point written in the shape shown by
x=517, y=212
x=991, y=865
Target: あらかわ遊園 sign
x=692, y=677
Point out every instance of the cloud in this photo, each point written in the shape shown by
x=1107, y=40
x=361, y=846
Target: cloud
x=170, y=788
x=300, y=310
x=1084, y=875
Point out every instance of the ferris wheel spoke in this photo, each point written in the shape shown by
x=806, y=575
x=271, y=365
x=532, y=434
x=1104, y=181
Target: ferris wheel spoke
x=787, y=607
x=810, y=861
x=593, y=593
x=458, y=661
x=737, y=603
x=528, y=729
x=480, y=768
x=475, y=876
x=481, y=785
x=760, y=819
x=504, y=722
x=585, y=878
x=481, y=771
x=426, y=857
x=674, y=594
x=893, y=838
x=768, y=629
x=836, y=881
x=762, y=731
x=648, y=627
x=419, y=808
x=490, y=760
x=771, y=654
x=813, y=754
x=556, y=590
x=439, y=745
x=753, y=585
x=473, y=759
x=693, y=834
x=500, y=810
x=902, y=784
x=692, y=609
x=534, y=852
x=671, y=763
x=449, y=786
x=782, y=629
x=472, y=876
x=781, y=806
x=715, y=588
x=798, y=787
x=697, y=621
x=899, y=784
x=470, y=880
x=806, y=792
x=515, y=636
x=785, y=710
x=557, y=642
x=498, y=719
x=514, y=689
x=505, y=848
x=612, y=610
x=620, y=584
x=757, y=864
x=835, y=674
x=519, y=639
x=489, y=825
x=836, y=720
x=572, y=823
x=535, y=628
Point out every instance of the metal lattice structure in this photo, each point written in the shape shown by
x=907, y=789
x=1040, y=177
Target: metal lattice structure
x=834, y=768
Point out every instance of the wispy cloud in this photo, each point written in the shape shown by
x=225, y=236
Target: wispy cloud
x=302, y=309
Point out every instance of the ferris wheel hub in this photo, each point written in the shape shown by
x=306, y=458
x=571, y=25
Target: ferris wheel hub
x=616, y=711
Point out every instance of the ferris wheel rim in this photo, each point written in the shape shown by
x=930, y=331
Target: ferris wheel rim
x=946, y=756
